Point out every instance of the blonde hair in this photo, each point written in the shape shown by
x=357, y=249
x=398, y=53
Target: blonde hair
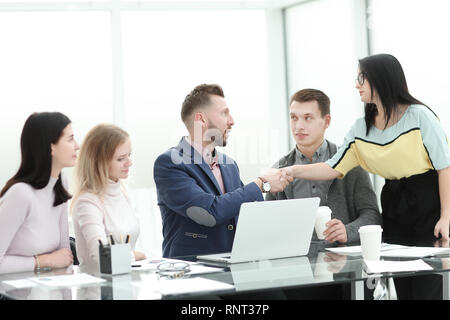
x=96, y=153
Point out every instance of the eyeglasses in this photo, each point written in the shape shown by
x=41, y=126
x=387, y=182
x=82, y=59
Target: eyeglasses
x=360, y=79
x=173, y=269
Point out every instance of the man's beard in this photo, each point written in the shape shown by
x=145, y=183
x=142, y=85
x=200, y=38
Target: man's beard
x=214, y=135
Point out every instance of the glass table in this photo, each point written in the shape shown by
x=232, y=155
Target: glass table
x=318, y=268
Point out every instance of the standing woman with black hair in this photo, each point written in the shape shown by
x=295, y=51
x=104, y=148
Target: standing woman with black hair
x=34, y=230
x=401, y=140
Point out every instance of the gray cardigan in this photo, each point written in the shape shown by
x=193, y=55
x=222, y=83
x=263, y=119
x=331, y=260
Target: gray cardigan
x=351, y=199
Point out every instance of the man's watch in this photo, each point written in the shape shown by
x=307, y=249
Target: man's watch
x=265, y=185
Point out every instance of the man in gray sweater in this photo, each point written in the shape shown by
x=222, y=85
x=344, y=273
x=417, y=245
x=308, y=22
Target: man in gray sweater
x=351, y=199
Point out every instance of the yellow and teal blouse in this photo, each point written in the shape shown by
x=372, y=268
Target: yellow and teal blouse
x=415, y=144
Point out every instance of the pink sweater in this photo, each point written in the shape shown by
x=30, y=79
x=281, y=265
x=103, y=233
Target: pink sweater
x=30, y=225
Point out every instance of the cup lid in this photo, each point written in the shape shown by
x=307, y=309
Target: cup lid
x=370, y=228
x=323, y=209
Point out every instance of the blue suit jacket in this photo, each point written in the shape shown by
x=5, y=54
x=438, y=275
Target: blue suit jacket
x=197, y=218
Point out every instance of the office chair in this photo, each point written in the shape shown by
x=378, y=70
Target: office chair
x=74, y=251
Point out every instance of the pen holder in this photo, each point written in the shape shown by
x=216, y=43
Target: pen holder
x=115, y=259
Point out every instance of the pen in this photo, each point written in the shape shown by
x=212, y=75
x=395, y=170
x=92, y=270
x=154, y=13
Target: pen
x=101, y=243
x=111, y=238
x=121, y=238
x=128, y=238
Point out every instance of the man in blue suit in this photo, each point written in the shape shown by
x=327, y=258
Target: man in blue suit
x=199, y=189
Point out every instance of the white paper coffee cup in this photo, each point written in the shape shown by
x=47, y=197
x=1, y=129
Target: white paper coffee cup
x=370, y=237
x=322, y=217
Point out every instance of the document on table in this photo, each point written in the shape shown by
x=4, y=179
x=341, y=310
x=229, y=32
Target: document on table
x=201, y=269
x=349, y=250
x=415, y=252
x=356, y=250
x=150, y=264
x=67, y=280
x=396, y=266
x=189, y=285
x=20, y=283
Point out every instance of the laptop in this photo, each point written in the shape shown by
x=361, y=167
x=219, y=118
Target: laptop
x=271, y=230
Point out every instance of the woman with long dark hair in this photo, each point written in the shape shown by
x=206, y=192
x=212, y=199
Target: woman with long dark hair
x=34, y=232
x=401, y=140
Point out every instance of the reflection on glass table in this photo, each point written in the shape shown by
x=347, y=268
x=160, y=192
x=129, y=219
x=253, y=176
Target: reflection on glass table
x=318, y=268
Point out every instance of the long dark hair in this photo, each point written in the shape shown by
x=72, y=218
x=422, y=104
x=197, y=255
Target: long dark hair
x=385, y=74
x=39, y=132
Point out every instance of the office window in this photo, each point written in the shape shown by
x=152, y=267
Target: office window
x=167, y=53
x=323, y=45
x=52, y=61
x=416, y=33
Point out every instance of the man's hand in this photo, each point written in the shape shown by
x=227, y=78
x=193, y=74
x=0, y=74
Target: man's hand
x=277, y=178
x=336, y=231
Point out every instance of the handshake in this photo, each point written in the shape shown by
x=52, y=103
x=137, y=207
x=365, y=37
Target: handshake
x=278, y=179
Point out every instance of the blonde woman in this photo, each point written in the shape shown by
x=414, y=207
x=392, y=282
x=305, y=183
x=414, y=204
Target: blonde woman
x=101, y=207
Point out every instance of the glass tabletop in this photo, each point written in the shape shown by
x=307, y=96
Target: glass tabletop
x=319, y=267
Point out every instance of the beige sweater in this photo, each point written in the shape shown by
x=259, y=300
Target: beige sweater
x=94, y=219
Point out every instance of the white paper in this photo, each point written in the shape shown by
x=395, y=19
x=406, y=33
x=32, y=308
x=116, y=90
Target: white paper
x=189, y=285
x=356, y=250
x=346, y=250
x=415, y=252
x=201, y=269
x=19, y=284
x=150, y=264
x=396, y=266
x=67, y=280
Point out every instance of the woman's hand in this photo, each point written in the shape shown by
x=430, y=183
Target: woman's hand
x=60, y=258
x=442, y=227
x=288, y=172
x=315, y=171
